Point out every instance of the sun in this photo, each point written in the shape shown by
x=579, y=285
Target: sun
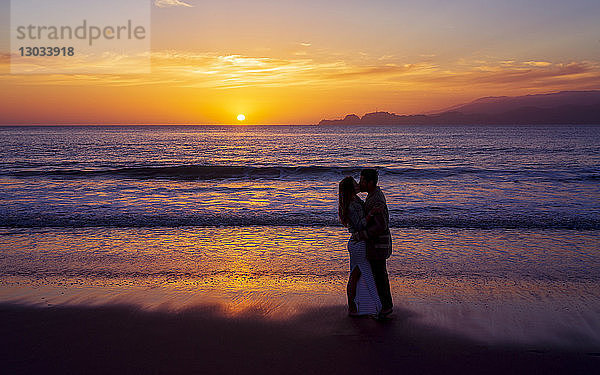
x=241, y=117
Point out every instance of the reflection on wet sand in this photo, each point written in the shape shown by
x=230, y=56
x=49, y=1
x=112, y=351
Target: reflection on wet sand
x=536, y=287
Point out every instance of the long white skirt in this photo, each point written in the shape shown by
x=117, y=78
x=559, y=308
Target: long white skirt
x=367, y=300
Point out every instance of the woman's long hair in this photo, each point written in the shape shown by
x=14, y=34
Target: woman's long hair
x=346, y=195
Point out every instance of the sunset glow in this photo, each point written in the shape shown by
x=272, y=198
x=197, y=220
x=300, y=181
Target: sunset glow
x=405, y=58
x=180, y=186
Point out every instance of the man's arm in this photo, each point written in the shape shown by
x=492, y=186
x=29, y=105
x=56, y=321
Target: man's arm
x=378, y=225
x=375, y=223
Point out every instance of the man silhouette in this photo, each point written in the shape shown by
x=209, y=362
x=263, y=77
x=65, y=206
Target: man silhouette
x=377, y=236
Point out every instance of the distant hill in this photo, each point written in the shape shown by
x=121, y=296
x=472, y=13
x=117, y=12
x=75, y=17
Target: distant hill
x=565, y=107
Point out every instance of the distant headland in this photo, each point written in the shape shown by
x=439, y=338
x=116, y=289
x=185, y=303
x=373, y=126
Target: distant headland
x=565, y=107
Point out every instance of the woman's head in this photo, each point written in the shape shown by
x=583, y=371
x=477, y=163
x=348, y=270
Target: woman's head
x=347, y=191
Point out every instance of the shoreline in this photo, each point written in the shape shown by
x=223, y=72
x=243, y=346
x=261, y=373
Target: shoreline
x=528, y=289
x=125, y=339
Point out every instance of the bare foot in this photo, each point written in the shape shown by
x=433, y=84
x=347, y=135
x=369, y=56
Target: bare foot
x=352, y=310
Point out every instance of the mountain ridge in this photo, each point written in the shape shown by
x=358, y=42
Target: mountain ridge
x=564, y=107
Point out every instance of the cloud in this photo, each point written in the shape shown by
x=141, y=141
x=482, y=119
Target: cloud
x=229, y=71
x=218, y=71
x=171, y=3
x=81, y=63
x=359, y=72
x=524, y=76
x=538, y=63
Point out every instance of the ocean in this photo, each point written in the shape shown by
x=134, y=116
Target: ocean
x=496, y=229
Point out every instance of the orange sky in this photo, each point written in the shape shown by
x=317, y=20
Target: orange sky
x=296, y=64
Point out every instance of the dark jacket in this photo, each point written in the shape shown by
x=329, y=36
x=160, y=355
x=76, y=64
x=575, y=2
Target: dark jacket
x=378, y=237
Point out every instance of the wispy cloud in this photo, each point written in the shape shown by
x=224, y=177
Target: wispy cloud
x=234, y=71
x=104, y=63
x=519, y=75
x=223, y=72
x=538, y=63
x=171, y=3
x=370, y=71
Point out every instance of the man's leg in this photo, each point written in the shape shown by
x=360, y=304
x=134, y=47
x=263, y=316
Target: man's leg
x=382, y=282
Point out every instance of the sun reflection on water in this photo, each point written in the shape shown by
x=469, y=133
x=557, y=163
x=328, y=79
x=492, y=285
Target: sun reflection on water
x=277, y=272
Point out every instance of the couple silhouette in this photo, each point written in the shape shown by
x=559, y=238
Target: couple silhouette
x=370, y=245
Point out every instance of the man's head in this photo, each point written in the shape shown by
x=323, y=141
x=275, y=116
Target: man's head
x=368, y=180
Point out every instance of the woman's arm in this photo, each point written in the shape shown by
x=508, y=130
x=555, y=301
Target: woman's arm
x=356, y=215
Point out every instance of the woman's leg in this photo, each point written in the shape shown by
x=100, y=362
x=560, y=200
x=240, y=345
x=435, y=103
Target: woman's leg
x=351, y=289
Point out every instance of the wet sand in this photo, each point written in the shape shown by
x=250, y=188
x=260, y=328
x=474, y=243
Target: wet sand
x=204, y=340
x=270, y=300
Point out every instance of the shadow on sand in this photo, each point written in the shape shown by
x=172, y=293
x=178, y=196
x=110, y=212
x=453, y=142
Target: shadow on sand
x=202, y=340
